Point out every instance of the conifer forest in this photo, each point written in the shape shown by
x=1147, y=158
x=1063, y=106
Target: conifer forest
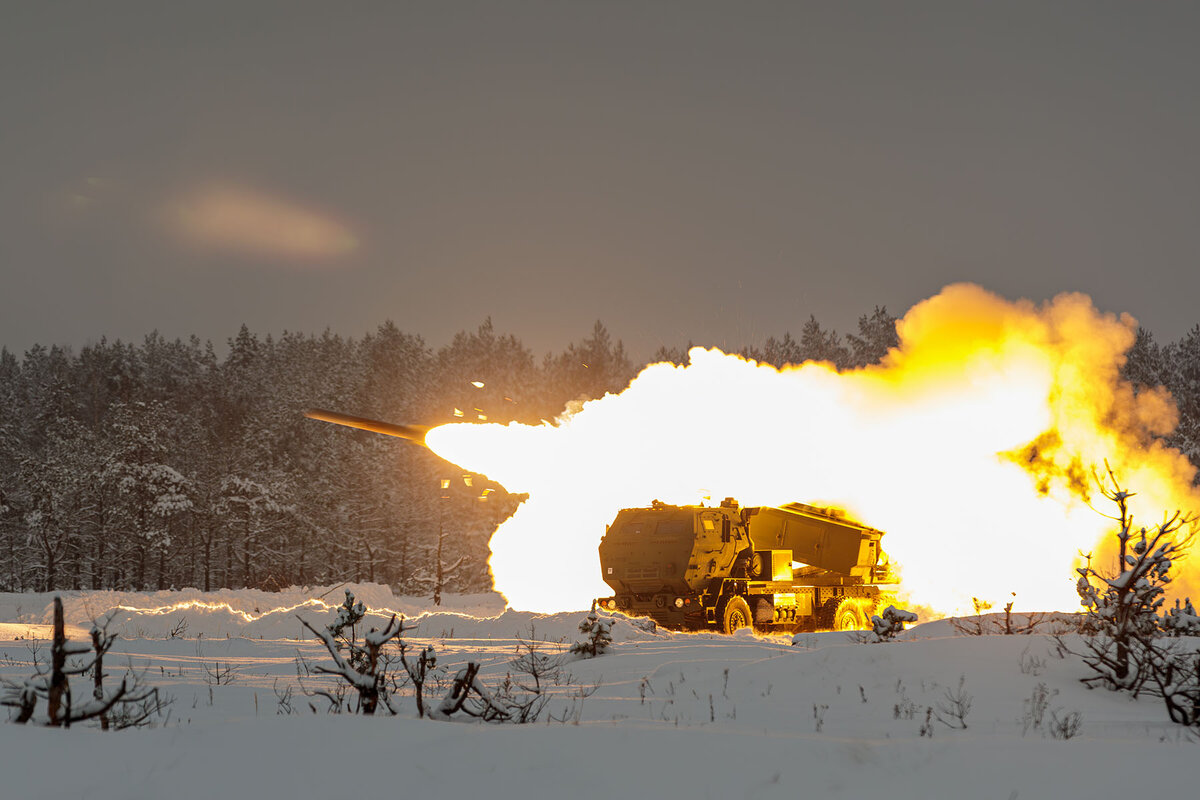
x=172, y=463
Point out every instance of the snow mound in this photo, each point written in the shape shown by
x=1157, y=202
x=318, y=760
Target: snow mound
x=246, y=613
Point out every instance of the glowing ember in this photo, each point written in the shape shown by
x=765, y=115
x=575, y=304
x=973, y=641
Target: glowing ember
x=972, y=445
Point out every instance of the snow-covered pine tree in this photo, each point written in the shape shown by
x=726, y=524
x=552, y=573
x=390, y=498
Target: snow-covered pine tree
x=48, y=515
x=1174, y=366
x=1121, y=619
x=776, y=352
x=679, y=355
x=597, y=636
x=876, y=335
x=1144, y=366
x=1184, y=384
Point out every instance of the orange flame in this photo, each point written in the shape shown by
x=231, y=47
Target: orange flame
x=972, y=445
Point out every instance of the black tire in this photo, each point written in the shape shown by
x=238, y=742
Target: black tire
x=850, y=614
x=735, y=615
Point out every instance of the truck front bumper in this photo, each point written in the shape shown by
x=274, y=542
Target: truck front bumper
x=680, y=613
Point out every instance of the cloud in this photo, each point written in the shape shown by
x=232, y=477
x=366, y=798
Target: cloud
x=236, y=218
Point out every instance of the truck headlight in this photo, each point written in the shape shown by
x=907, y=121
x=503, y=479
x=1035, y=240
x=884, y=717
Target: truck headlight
x=679, y=602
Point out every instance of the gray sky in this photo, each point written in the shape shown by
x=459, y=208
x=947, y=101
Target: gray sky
x=714, y=172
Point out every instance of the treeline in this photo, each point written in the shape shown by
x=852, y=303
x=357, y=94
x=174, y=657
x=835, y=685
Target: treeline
x=1176, y=366
x=163, y=465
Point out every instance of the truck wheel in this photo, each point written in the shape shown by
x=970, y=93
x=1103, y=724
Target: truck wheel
x=736, y=615
x=850, y=614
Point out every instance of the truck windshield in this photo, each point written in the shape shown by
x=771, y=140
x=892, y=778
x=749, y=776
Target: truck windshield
x=642, y=530
x=673, y=529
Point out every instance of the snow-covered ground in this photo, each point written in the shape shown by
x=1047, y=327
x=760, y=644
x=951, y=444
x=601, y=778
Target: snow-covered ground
x=674, y=715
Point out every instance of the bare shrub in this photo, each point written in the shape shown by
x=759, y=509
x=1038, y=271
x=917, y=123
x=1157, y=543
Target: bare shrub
x=927, y=726
x=819, y=716
x=283, y=699
x=524, y=693
x=952, y=710
x=972, y=627
x=1035, y=708
x=1011, y=624
x=218, y=675
x=132, y=704
x=1031, y=664
x=1066, y=726
x=419, y=671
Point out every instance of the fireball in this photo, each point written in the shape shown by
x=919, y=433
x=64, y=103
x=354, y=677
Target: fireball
x=972, y=444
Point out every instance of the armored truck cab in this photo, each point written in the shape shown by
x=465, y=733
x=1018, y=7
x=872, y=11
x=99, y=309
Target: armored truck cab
x=697, y=567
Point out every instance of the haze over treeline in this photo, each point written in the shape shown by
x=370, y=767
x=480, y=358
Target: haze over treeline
x=162, y=464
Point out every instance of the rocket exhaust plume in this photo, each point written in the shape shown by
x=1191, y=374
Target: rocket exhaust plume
x=972, y=444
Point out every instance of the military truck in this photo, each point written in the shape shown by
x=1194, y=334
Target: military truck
x=696, y=567
x=789, y=568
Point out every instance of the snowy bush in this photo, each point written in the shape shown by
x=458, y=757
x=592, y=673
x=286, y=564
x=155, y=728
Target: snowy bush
x=1174, y=675
x=1181, y=620
x=597, y=636
x=361, y=664
x=891, y=622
